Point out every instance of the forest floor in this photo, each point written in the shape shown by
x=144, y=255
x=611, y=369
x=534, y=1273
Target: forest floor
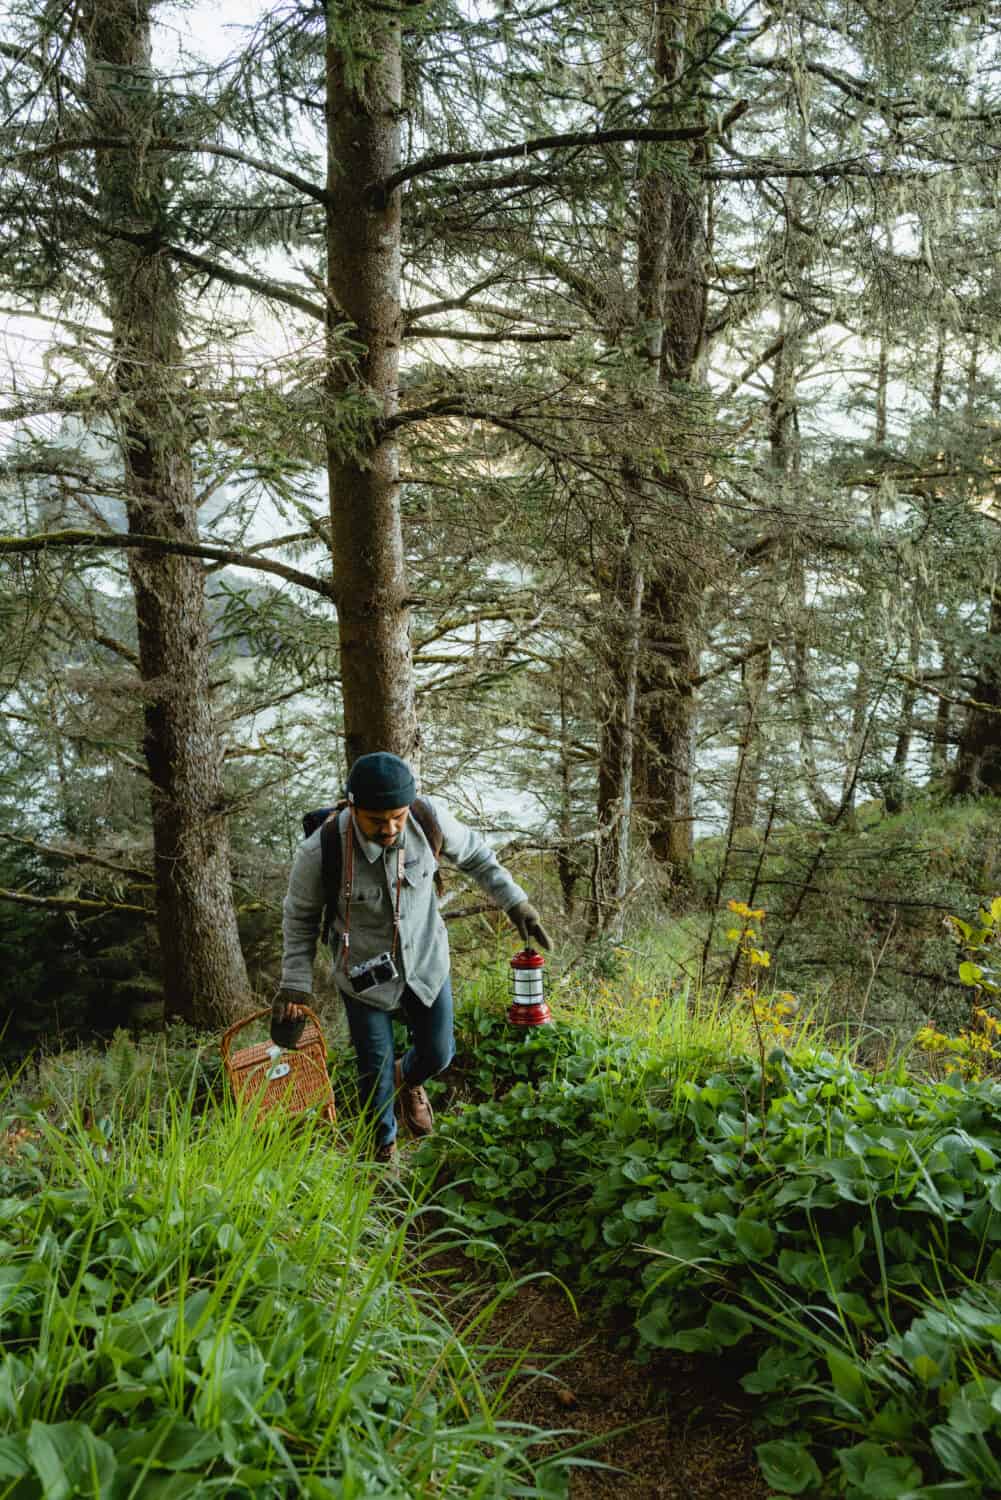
x=666, y=1430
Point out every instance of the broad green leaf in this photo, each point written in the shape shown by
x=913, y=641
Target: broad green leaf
x=641, y=1208
x=802, y=1269
x=966, y=1454
x=754, y=1239
x=657, y=1326
x=846, y=1375
x=970, y=973
x=13, y=1458
x=778, y=1372
x=855, y=1307
x=878, y=1474
x=727, y=1323
x=67, y=1457
x=173, y=1443
x=788, y=1467
x=168, y=1487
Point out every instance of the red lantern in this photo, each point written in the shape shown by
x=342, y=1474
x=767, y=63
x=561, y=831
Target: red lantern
x=528, y=990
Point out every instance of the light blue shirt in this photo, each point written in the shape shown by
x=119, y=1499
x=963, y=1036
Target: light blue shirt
x=422, y=956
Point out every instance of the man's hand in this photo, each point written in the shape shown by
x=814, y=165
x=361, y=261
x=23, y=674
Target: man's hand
x=288, y=1018
x=525, y=918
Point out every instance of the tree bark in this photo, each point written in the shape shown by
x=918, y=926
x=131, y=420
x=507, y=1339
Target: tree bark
x=205, y=978
x=627, y=747
x=977, y=771
x=942, y=734
x=567, y=865
x=895, y=787
x=671, y=303
x=622, y=614
x=754, y=677
x=363, y=103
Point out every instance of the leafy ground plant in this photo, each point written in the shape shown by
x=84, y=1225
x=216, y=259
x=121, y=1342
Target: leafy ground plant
x=822, y=1227
x=191, y=1307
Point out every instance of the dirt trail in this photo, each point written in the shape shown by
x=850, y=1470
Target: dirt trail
x=686, y=1437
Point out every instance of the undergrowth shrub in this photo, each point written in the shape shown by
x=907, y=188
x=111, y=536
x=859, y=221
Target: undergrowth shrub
x=128, y=1077
x=190, y=1307
x=837, y=1235
x=870, y=934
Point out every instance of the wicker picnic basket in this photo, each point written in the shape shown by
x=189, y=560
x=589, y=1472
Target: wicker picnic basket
x=264, y=1078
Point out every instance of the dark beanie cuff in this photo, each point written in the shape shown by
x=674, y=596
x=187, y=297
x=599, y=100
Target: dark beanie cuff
x=379, y=782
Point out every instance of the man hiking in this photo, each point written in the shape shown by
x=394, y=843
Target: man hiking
x=379, y=851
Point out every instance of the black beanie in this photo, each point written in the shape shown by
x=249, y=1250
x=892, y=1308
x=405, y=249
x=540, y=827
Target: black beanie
x=381, y=781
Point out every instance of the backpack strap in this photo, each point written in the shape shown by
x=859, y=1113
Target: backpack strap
x=423, y=815
x=331, y=865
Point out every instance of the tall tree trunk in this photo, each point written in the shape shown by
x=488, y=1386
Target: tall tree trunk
x=363, y=105
x=567, y=866
x=784, y=452
x=942, y=733
x=628, y=746
x=862, y=691
x=673, y=252
x=754, y=677
x=617, y=748
x=824, y=805
x=897, y=781
x=977, y=771
x=205, y=978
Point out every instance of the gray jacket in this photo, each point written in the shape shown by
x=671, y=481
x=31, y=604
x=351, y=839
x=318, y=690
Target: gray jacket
x=422, y=953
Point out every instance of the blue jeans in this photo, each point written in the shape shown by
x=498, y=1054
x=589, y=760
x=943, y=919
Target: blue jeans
x=431, y=1049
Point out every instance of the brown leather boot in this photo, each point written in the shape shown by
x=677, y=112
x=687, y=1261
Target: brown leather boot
x=415, y=1106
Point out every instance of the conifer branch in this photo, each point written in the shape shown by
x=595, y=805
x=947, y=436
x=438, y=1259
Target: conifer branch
x=476, y=336
x=439, y=161
x=46, y=540
x=263, y=286
x=118, y=648
x=80, y=856
x=764, y=170
x=66, y=145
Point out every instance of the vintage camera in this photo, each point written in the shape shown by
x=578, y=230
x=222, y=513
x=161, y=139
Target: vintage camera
x=378, y=970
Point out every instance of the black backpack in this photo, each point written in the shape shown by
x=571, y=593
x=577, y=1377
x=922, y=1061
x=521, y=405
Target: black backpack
x=332, y=855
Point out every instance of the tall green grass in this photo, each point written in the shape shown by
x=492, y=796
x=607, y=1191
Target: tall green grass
x=191, y=1306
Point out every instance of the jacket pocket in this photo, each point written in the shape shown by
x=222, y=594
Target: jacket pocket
x=366, y=900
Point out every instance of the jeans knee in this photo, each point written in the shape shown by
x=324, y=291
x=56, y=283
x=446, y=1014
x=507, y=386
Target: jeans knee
x=436, y=1055
x=446, y=1053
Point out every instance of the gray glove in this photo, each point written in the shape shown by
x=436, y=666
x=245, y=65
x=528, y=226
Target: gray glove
x=286, y=1026
x=524, y=916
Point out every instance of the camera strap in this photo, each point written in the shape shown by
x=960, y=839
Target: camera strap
x=349, y=873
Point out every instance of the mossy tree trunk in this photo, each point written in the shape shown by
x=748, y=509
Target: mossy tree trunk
x=672, y=293
x=363, y=108
x=977, y=771
x=205, y=978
